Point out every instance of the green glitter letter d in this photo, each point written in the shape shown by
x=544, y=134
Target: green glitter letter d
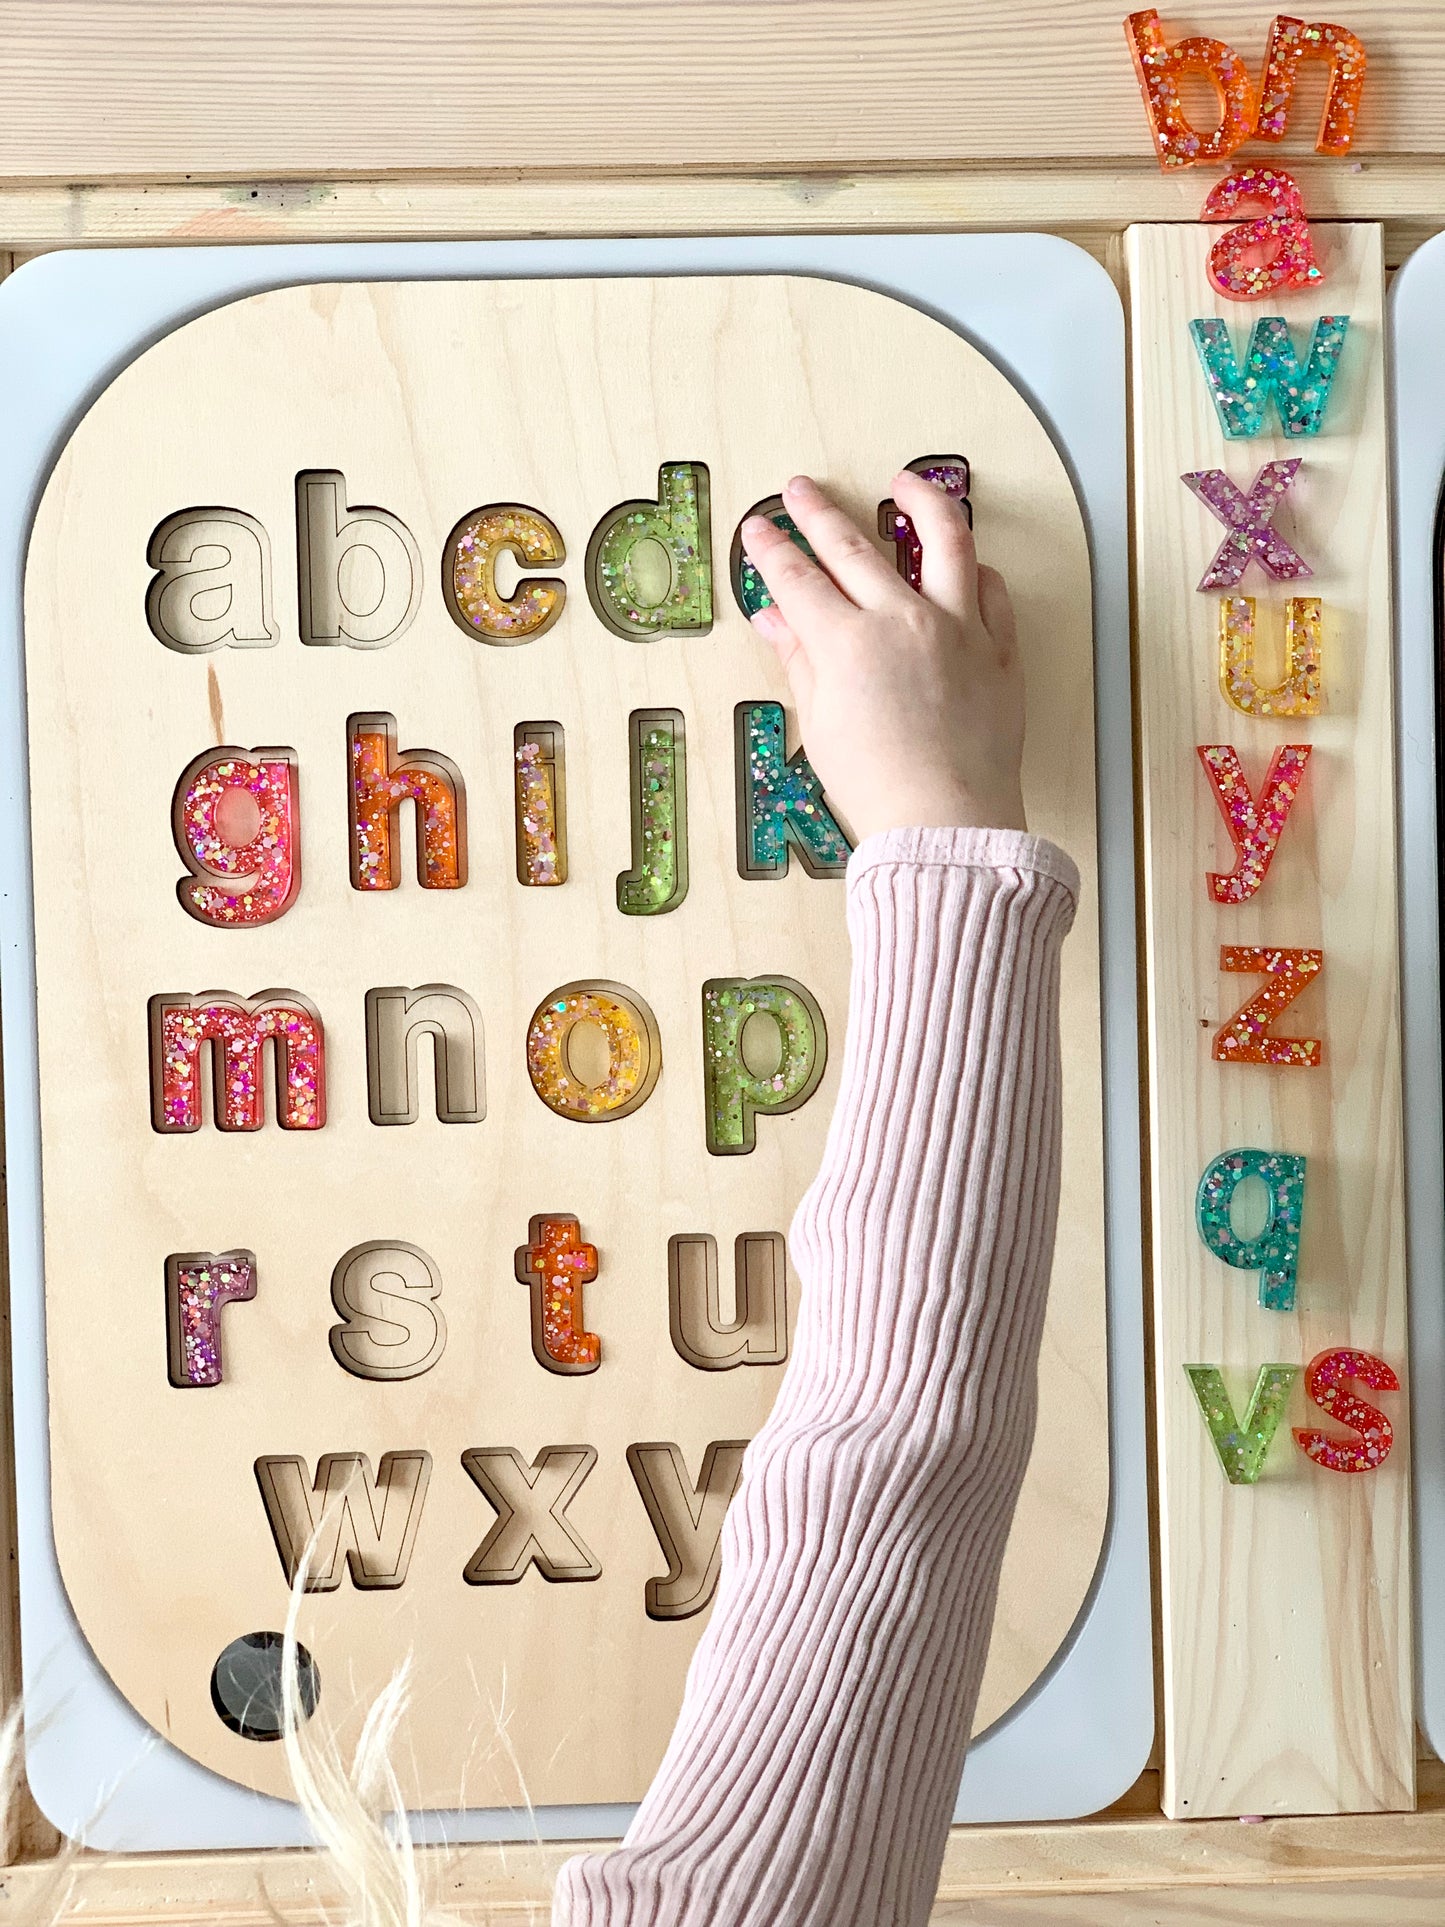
x=734, y=1094
x=657, y=880
x=780, y=801
x=1271, y=368
x=1274, y=1253
x=1242, y=1443
x=649, y=564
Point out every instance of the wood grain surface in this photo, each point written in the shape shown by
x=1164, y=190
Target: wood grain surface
x=104, y=89
x=1286, y=1605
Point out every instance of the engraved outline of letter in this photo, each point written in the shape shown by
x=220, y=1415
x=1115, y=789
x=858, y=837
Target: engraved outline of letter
x=174, y=570
x=660, y=1472
x=555, y=1477
x=353, y=1342
x=343, y=514
x=760, y=1323
x=315, y=1525
x=396, y=1018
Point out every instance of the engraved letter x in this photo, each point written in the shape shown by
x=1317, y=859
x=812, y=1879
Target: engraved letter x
x=1247, y=518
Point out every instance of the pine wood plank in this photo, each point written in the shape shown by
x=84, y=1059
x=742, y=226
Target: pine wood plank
x=1285, y=1606
x=1087, y=200
x=1137, y=1870
x=125, y=88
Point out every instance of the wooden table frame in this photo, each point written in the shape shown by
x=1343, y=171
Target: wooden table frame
x=1127, y=1866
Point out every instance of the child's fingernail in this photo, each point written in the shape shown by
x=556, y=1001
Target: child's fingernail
x=802, y=485
x=753, y=527
x=765, y=620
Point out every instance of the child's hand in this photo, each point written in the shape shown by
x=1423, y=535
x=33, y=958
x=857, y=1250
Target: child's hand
x=911, y=707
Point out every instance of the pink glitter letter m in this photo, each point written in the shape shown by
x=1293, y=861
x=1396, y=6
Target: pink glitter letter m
x=236, y=1029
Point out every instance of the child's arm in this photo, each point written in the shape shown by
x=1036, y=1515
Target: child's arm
x=813, y=1771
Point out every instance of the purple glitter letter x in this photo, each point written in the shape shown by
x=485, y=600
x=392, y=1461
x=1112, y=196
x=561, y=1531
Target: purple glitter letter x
x=1247, y=518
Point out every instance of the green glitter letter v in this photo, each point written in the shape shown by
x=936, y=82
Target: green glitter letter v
x=1241, y=1444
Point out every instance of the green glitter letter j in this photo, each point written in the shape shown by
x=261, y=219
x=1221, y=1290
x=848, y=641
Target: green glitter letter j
x=733, y=1093
x=1242, y=1443
x=1274, y=1251
x=657, y=880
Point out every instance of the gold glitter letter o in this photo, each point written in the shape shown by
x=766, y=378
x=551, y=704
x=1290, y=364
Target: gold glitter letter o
x=634, y=1051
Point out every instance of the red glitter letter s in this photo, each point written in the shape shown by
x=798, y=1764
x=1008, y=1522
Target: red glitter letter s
x=1328, y=1376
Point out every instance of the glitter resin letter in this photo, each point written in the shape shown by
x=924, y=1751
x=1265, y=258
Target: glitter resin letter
x=1247, y=1037
x=1271, y=372
x=649, y=564
x=1242, y=1443
x=657, y=767
x=381, y=781
x=469, y=573
x=1326, y=1382
x=1297, y=693
x=1249, y=519
x=950, y=475
x=1160, y=67
x=237, y=1030
x=1255, y=827
x=555, y=1264
x=539, y=752
x=633, y=1046
x=733, y=1094
x=749, y=589
x=1274, y=1250
x=1270, y=253
x=235, y=819
x=780, y=801
x=1292, y=40
x=198, y=1284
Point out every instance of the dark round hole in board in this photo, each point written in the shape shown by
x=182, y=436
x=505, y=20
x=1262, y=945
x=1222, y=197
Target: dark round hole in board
x=246, y=1685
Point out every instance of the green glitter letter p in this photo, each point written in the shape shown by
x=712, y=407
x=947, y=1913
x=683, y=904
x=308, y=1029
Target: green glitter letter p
x=1274, y=1252
x=649, y=564
x=733, y=1093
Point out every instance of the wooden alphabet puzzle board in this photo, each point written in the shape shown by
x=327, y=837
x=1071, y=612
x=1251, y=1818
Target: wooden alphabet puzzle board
x=388, y=691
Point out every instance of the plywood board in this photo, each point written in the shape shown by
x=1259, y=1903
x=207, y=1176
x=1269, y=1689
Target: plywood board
x=1286, y=1612
x=334, y=87
x=430, y=400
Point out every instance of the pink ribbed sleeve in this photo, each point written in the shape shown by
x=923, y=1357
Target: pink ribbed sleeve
x=816, y=1760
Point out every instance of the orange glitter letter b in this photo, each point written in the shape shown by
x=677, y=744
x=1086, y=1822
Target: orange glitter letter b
x=1160, y=68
